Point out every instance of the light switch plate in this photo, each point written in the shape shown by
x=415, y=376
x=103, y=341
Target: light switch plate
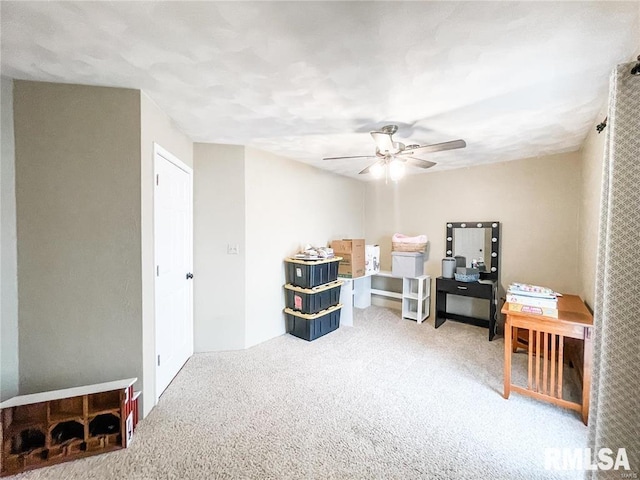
x=233, y=249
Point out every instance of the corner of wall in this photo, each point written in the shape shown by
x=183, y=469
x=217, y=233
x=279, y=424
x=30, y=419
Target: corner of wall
x=282, y=214
x=219, y=222
x=638, y=32
x=592, y=158
x=9, y=359
x=155, y=127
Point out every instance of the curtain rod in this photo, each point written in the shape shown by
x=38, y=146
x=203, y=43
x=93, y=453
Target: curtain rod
x=634, y=71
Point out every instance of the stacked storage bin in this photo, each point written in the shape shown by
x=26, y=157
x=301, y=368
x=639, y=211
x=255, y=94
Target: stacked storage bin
x=312, y=297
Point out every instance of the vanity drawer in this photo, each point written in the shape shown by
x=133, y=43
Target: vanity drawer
x=471, y=289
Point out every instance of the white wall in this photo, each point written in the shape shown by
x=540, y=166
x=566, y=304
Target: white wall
x=85, y=225
x=155, y=126
x=219, y=221
x=289, y=204
x=78, y=227
x=592, y=158
x=536, y=200
x=8, y=254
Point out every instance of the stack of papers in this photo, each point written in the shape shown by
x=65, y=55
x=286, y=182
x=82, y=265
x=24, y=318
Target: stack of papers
x=533, y=299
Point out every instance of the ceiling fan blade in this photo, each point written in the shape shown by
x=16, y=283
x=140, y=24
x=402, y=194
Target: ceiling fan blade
x=341, y=158
x=383, y=141
x=416, y=162
x=436, y=147
x=366, y=170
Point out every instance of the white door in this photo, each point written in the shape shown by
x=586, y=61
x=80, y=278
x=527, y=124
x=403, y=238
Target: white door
x=173, y=229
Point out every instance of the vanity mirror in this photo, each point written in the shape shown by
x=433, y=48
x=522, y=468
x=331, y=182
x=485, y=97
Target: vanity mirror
x=475, y=240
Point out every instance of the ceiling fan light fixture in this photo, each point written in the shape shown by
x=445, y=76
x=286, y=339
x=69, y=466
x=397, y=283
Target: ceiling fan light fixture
x=384, y=143
x=396, y=170
x=377, y=170
x=391, y=157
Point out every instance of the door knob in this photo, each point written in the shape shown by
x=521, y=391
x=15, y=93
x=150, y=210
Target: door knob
x=189, y=276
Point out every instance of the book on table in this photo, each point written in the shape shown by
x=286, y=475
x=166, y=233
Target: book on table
x=532, y=291
x=532, y=299
x=547, y=312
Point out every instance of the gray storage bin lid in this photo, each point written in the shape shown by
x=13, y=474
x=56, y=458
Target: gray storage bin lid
x=407, y=254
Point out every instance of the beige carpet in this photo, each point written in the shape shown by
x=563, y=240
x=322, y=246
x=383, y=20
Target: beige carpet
x=385, y=399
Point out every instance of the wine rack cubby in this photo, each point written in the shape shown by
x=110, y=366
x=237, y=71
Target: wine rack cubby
x=51, y=427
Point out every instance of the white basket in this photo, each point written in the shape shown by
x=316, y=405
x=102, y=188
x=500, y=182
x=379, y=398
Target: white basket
x=408, y=247
x=463, y=277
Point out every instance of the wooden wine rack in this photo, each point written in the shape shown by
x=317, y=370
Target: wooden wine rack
x=51, y=427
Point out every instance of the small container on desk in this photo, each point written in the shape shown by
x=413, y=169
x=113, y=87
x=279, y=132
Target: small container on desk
x=467, y=277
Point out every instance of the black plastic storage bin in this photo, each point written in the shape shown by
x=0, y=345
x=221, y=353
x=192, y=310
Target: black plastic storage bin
x=309, y=327
x=309, y=274
x=312, y=300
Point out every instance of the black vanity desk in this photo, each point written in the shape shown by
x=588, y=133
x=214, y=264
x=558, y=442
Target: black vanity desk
x=484, y=289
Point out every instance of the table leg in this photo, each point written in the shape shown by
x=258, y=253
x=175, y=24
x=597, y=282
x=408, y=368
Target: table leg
x=346, y=299
x=492, y=318
x=586, y=373
x=441, y=308
x=507, y=357
x=362, y=292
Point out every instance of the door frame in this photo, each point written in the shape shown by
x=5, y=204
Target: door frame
x=158, y=150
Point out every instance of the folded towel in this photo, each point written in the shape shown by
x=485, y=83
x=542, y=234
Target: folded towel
x=400, y=238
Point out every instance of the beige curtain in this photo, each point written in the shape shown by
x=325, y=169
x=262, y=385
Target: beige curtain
x=614, y=420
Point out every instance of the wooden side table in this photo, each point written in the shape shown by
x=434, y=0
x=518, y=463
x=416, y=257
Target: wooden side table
x=546, y=352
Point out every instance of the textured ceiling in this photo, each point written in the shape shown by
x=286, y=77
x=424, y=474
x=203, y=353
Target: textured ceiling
x=310, y=79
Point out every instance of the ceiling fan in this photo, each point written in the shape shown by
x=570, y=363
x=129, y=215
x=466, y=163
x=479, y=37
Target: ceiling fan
x=393, y=156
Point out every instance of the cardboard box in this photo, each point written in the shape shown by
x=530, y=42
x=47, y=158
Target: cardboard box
x=351, y=250
x=348, y=245
x=371, y=259
x=351, y=266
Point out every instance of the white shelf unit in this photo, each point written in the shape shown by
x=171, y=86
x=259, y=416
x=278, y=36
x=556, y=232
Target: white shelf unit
x=415, y=295
x=391, y=293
